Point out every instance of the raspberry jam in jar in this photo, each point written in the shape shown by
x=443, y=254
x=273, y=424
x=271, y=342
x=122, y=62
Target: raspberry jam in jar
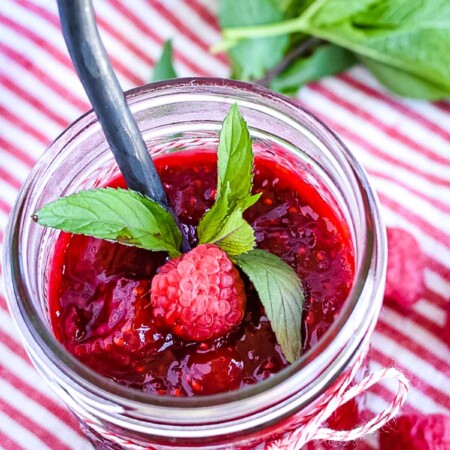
x=100, y=291
x=82, y=304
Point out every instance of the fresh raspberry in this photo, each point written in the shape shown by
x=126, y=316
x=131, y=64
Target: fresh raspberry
x=417, y=432
x=199, y=295
x=404, y=280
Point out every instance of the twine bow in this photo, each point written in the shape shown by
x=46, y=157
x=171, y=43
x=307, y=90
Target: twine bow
x=313, y=430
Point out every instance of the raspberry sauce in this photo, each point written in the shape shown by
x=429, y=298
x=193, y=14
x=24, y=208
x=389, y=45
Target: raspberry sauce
x=99, y=292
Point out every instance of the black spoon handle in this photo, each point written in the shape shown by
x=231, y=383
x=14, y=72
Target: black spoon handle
x=107, y=98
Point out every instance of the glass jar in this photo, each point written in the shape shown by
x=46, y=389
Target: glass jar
x=177, y=116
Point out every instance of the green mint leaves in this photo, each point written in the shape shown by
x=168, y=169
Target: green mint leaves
x=224, y=224
x=284, y=44
x=281, y=294
x=114, y=214
x=404, y=43
x=164, y=69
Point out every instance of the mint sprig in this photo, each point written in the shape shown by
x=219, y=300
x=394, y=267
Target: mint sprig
x=404, y=43
x=277, y=284
x=119, y=215
x=281, y=294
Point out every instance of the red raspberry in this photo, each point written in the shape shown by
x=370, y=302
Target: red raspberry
x=404, y=280
x=199, y=295
x=417, y=432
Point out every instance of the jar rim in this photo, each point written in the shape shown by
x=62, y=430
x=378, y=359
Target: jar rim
x=40, y=340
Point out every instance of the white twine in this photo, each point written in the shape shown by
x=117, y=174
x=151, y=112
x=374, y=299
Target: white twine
x=313, y=430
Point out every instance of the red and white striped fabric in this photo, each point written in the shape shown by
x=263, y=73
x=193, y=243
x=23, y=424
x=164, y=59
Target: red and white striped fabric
x=404, y=145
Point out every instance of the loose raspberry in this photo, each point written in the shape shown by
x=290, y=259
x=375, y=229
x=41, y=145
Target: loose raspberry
x=404, y=280
x=417, y=432
x=200, y=295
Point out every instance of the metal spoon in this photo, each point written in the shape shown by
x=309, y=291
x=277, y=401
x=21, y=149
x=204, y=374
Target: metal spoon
x=107, y=98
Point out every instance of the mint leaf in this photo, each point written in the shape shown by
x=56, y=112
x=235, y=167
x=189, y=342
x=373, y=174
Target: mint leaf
x=236, y=236
x=326, y=60
x=293, y=8
x=335, y=11
x=245, y=203
x=226, y=227
x=224, y=224
x=235, y=157
x=164, y=69
x=214, y=219
x=119, y=215
x=404, y=83
x=281, y=294
x=286, y=5
x=251, y=58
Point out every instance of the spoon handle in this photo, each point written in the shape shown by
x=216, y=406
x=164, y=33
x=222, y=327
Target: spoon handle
x=107, y=98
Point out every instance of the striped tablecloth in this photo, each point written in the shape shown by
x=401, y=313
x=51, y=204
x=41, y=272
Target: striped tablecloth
x=403, y=144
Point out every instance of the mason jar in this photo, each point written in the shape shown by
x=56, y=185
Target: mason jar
x=182, y=115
